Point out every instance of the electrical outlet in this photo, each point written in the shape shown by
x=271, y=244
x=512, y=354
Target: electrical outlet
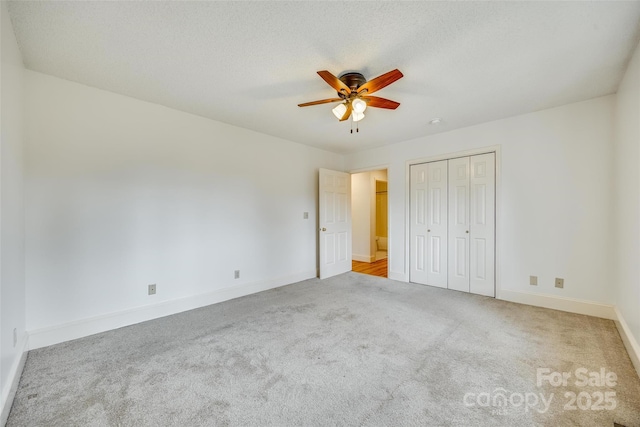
x=559, y=282
x=152, y=289
x=15, y=336
x=305, y=215
x=236, y=274
x=533, y=280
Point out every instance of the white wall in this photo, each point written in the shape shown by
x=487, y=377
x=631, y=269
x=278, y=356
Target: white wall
x=554, y=215
x=626, y=209
x=124, y=193
x=12, y=263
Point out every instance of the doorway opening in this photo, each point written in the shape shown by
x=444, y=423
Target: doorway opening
x=369, y=215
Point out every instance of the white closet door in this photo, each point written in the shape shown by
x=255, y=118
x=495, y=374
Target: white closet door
x=459, y=224
x=418, y=226
x=482, y=225
x=428, y=264
x=437, y=224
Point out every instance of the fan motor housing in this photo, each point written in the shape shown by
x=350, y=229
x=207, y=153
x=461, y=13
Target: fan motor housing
x=353, y=80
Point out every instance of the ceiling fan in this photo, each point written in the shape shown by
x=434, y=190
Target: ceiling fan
x=355, y=93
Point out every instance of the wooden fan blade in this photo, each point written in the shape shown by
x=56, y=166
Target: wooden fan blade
x=376, y=101
x=381, y=81
x=334, y=82
x=346, y=113
x=322, y=101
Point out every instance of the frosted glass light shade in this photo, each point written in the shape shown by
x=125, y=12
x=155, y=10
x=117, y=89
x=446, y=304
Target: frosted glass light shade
x=339, y=110
x=357, y=116
x=359, y=105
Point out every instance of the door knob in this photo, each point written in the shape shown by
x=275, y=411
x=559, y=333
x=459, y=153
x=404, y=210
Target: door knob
x=467, y=231
x=428, y=231
x=324, y=229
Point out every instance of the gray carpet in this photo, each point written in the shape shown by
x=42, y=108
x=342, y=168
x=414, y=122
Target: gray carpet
x=350, y=350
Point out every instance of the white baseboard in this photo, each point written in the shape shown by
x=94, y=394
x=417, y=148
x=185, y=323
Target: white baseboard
x=630, y=342
x=94, y=325
x=11, y=386
x=571, y=305
x=400, y=277
x=581, y=307
x=363, y=258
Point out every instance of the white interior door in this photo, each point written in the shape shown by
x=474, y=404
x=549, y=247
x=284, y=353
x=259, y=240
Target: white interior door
x=418, y=226
x=482, y=224
x=428, y=229
x=437, y=224
x=335, y=222
x=459, y=224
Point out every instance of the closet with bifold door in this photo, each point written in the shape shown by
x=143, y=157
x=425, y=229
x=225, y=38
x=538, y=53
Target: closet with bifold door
x=452, y=224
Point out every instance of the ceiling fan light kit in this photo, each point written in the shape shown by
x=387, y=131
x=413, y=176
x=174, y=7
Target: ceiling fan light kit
x=357, y=116
x=339, y=110
x=354, y=94
x=359, y=105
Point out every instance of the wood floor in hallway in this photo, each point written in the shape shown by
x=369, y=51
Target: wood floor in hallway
x=376, y=268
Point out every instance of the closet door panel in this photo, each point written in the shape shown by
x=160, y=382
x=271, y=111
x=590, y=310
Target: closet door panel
x=482, y=224
x=437, y=224
x=418, y=226
x=458, y=214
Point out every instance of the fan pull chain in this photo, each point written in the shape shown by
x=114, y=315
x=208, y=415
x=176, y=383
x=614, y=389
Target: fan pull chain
x=357, y=126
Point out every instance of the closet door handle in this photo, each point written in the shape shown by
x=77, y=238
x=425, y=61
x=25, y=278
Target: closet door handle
x=467, y=231
x=428, y=231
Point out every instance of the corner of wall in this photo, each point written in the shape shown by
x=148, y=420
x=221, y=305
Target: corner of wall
x=13, y=339
x=630, y=343
x=626, y=208
x=11, y=387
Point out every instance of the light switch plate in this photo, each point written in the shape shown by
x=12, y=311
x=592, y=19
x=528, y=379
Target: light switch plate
x=305, y=215
x=533, y=280
x=152, y=289
x=559, y=282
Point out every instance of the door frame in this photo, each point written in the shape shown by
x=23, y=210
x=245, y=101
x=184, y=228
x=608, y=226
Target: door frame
x=446, y=156
x=389, y=241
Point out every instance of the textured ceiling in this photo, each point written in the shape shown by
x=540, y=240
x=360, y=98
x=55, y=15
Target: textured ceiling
x=251, y=63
